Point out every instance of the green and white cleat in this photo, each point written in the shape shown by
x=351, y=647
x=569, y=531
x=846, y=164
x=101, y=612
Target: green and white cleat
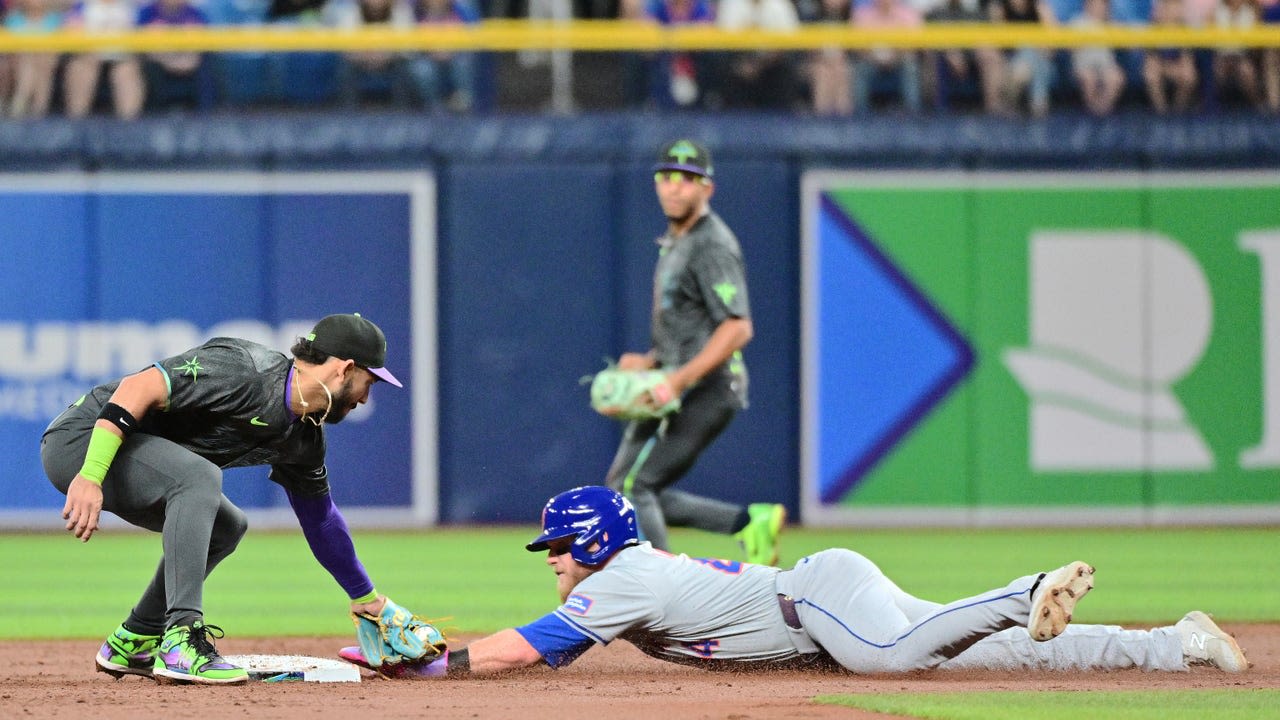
x=760, y=536
x=127, y=653
x=187, y=655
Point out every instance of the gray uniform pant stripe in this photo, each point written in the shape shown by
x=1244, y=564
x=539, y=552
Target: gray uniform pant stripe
x=158, y=485
x=1080, y=647
x=868, y=624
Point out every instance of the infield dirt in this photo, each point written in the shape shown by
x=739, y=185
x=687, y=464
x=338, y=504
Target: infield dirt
x=57, y=680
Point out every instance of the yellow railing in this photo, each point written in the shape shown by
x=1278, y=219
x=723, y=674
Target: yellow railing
x=611, y=35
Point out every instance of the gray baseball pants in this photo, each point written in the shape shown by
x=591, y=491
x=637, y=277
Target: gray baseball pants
x=651, y=459
x=159, y=485
x=868, y=624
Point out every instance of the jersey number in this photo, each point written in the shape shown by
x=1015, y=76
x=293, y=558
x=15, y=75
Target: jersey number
x=704, y=648
x=731, y=567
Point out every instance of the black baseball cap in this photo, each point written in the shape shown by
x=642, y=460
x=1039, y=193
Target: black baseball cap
x=685, y=155
x=351, y=337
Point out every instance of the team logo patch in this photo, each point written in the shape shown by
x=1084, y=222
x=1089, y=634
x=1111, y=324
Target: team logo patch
x=191, y=368
x=578, y=604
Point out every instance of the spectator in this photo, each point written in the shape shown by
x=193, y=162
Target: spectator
x=984, y=63
x=1198, y=13
x=444, y=78
x=1236, y=66
x=673, y=79
x=172, y=74
x=762, y=79
x=80, y=83
x=32, y=72
x=1097, y=73
x=875, y=62
x=6, y=69
x=292, y=76
x=296, y=12
x=362, y=72
x=1270, y=14
x=1165, y=69
x=1028, y=68
x=830, y=77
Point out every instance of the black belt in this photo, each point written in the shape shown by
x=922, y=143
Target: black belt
x=787, y=605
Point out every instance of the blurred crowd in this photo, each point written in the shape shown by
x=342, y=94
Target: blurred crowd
x=1025, y=81
x=1002, y=82
x=124, y=83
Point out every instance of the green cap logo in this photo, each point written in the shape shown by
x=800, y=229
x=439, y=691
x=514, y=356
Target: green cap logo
x=683, y=151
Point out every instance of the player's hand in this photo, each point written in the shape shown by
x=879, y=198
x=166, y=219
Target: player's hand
x=659, y=395
x=83, y=507
x=635, y=361
x=373, y=607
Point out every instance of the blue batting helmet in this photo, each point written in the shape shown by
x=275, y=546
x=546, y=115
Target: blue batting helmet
x=600, y=521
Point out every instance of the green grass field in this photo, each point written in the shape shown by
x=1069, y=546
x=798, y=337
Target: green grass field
x=1126, y=705
x=483, y=579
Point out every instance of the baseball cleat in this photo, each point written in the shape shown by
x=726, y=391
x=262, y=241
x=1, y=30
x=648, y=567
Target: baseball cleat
x=1204, y=643
x=127, y=653
x=760, y=536
x=187, y=655
x=1055, y=597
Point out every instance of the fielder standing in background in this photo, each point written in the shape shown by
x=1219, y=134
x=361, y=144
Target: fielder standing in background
x=834, y=609
x=701, y=320
x=151, y=448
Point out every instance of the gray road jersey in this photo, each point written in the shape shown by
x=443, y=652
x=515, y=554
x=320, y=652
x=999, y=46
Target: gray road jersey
x=699, y=282
x=682, y=609
x=227, y=404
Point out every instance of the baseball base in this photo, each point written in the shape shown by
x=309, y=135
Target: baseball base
x=283, y=668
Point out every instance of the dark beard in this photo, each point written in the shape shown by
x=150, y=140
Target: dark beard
x=341, y=404
x=681, y=220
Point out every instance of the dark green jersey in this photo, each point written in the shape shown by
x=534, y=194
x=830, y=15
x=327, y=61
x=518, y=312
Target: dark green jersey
x=228, y=403
x=700, y=281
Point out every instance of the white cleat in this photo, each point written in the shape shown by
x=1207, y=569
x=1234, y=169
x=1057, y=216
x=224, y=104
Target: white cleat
x=1204, y=643
x=1055, y=597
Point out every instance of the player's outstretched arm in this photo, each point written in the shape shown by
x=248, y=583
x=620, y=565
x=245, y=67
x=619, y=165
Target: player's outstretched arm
x=504, y=650
x=500, y=652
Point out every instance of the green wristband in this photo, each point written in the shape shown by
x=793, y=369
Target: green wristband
x=103, y=445
x=373, y=595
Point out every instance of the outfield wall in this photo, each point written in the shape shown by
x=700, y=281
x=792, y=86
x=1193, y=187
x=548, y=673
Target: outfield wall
x=507, y=256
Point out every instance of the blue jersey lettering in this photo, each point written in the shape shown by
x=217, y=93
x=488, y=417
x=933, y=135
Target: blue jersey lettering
x=729, y=567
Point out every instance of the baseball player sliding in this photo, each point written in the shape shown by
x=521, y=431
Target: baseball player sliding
x=835, y=608
x=151, y=448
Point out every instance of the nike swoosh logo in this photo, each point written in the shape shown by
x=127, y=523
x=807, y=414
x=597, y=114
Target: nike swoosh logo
x=255, y=421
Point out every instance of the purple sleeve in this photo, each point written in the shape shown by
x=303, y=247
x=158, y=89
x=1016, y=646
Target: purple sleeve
x=330, y=540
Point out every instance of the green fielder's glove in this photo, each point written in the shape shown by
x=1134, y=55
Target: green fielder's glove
x=396, y=635
x=633, y=394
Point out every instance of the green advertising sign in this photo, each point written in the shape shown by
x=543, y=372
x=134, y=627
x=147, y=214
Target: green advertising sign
x=1095, y=346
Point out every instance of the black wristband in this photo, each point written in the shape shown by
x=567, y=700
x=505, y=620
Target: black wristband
x=119, y=417
x=459, y=662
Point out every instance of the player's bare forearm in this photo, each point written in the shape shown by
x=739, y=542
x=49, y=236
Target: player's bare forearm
x=137, y=394
x=730, y=336
x=636, y=361
x=504, y=650
x=141, y=392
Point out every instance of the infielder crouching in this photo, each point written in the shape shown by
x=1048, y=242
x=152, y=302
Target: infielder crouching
x=835, y=608
x=151, y=448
